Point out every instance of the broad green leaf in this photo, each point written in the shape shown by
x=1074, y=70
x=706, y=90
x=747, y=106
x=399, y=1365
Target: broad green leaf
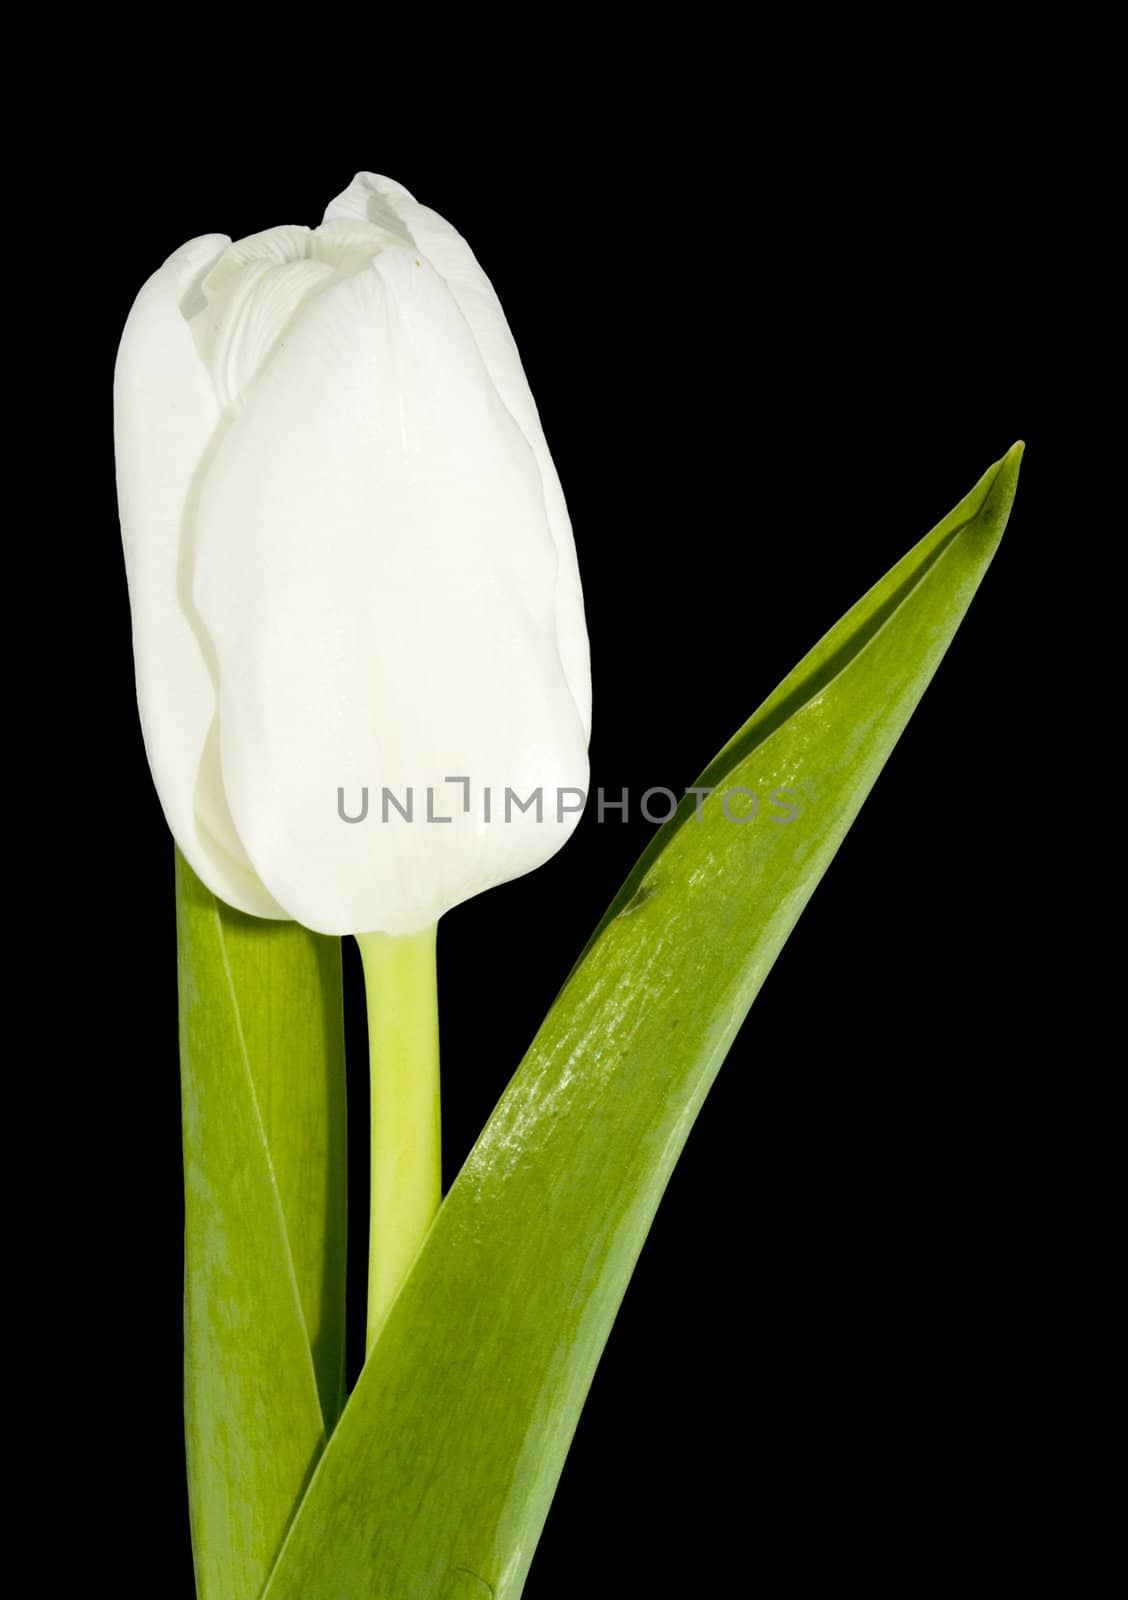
x=260, y=1031
x=437, y=1481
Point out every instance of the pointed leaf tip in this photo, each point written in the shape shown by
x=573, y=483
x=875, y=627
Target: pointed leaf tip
x=997, y=502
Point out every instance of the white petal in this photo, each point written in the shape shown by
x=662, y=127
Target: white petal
x=375, y=200
x=378, y=578
x=165, y=416
x=259, y=284
x=349, y=245
x=240, y=328
x=274, y=247
x=248, y=296
x=388, y=204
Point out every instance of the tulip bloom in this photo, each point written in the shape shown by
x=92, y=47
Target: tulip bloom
x=350, y=567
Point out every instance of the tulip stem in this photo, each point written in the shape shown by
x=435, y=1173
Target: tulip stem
x=403, y=1056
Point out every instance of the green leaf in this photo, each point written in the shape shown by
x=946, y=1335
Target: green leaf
x=437, y=1481
x=288, y=986
x=262, y=1073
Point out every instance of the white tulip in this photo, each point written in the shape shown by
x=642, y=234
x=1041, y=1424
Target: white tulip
x=350, y=567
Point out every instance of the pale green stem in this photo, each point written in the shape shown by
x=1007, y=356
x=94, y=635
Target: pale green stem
x=403, y=1064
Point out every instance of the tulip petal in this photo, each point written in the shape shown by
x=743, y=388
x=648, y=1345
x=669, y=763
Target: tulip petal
x=273, y=247
x=249, y=315
x=370, y=198
x=379, y=581
x=350, y=243
x=389, y=205
x=165, y=417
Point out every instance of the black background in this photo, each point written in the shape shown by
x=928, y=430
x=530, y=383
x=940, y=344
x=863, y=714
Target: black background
x=767, y=358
